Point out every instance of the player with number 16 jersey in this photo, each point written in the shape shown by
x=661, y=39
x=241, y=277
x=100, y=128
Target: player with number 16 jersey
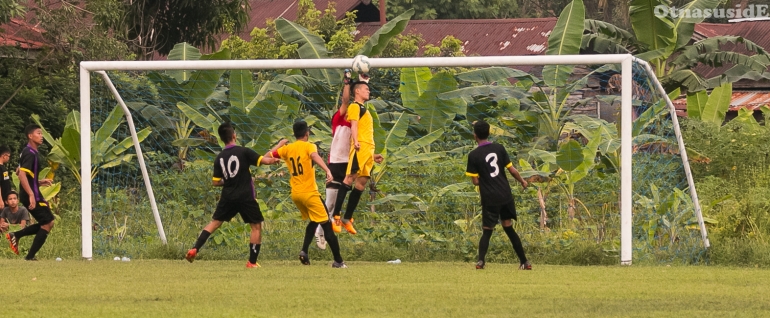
x=299, y=157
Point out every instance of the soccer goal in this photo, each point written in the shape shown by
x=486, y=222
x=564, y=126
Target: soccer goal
x=596, y=136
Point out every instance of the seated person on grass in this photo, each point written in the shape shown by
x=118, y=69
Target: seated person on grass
x=13, y=213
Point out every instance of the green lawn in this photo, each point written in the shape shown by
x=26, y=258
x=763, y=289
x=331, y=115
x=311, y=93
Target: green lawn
x=158, y=288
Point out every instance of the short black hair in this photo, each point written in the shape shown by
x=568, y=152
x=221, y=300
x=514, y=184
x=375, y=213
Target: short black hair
x=4, y=150
x=14, y=193
x=226, y=132
x=481, y=129
x=30, y=128
x=355, y=84
x=300, y=129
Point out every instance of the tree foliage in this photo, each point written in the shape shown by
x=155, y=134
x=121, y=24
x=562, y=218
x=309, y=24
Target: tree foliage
x=339, y=38
x=455, y=9
x=10, y=9
x=45, y=81
x=155, y=26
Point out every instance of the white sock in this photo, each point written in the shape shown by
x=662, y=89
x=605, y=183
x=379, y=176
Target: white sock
x=331, y=197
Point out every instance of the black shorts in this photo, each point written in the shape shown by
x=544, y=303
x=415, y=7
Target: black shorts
x=491, y=214
x=249, y=211
x=42, y=212
x=338, y=171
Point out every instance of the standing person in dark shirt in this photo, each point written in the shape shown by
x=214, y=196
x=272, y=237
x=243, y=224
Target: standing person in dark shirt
x=30, y=196
x=231, y=172
x=485, y=167
x=5, y=176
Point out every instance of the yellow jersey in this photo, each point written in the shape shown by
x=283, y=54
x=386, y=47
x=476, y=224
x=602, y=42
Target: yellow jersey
x=297, y=158
x=365, y=123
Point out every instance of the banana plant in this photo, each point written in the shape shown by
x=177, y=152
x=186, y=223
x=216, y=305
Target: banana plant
x=309, y=46
x=667, y=214
x=710, y=108
x=106, y=151
x=575, y=162
x=746, y=116
x=420, y=90
x=182, y=86
x=397, y=155
x=312, y=46
x=664, y=42
x=541, y=177
x=49, y=192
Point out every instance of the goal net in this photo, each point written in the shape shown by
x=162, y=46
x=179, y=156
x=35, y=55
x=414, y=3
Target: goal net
x=595, y=136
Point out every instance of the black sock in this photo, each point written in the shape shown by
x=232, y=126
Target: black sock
x=30, y=230
x=344, y=188
x=484, y=244
x=517, y=247
x=355, y=196
x=37, y=243
x=331, y=239
x=202, y=238
x=254, y=252
x=309, y=234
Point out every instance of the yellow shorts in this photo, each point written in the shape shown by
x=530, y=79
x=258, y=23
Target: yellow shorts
x=361, y=161
x=311, y=206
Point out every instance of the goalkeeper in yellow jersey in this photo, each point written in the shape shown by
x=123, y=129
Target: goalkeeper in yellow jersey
x=361, y=156
x=299, y=157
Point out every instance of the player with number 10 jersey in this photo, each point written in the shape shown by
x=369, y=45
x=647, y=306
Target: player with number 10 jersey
x=231, y=172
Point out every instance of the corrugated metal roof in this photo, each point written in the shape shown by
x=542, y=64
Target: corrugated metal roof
x=17, y=32
x=755, y=31
x=485, y=37
x=741, y=99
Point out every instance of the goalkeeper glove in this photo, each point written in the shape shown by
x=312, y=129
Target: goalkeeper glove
x=363, y=77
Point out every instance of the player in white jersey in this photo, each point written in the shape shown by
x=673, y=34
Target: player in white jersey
x=339, y=155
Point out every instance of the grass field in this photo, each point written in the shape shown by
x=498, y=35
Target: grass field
x=158, y=288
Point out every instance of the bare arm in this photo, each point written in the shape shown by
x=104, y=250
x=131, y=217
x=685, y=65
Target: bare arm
x=218, y=183
x=2, y=203
x=25, y=186
x=517, y=176
x=345, y=99
x=23, y=223
x=475, y=180
x=268, y=158
x=280, y=144
x=320, y=162
x=354, y=134
x=3, y=225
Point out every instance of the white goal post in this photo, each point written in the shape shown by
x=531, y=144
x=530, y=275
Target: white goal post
x=625, y=60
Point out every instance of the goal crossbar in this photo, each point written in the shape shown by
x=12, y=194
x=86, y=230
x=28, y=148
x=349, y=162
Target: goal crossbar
x=625, y=60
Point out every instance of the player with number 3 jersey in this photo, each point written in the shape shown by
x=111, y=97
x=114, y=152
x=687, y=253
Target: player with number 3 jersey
x=486, y=166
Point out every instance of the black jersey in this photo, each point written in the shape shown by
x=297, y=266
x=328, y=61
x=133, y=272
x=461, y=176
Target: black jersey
x=232, y=166
x=30, y=164
x=489, y=162
x=5, y=182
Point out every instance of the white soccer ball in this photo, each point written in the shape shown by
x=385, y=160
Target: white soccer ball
x=117, y=258
x=361, y=64
x=58, y=259
x=126, y=259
